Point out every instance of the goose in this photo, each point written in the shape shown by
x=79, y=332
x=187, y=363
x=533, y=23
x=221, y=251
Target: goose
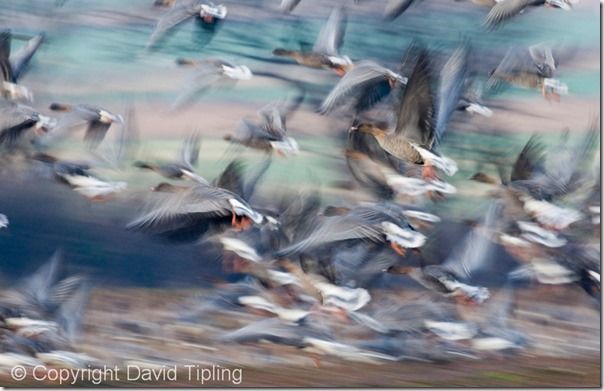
x=422, y=119
x=183, y=168
x=465, y=259
x=208, y=13
x=96, y=119
x=533, y=188
x=78, y=176
x=324, y=53
x=531, y=68
x=271, y=134
x=18, y=120
x=208, y=73
x=202, y=203
x=495, y=333
x=377, y=223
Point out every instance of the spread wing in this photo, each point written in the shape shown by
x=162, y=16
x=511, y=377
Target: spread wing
x=416, y=110
x=171, y=19
x=95, y=133
x=505, y=10
x=331, y=36
x=5, y=65
x=177, y=209
x=333, y=229
x=189, y=153
x=530, y=160
x=21, y=58
x=452, y=81
x=367, y=81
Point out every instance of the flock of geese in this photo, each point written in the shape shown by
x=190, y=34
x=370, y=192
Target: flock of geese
x=311, y=267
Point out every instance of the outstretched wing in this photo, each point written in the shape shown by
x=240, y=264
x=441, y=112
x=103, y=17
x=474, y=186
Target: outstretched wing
x=529, y=161
x=21, y=58
x=416, y=111
x=171, y=19
x=5, y=65
x=452, y=82
x=331, y=36
x=189, y=154
x=367, y=81
x=333, y=229
x=505, y=10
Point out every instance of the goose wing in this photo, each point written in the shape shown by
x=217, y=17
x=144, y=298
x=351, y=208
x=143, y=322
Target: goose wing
x=395, y=8
x=176, y=209
x=20, y=59
x=189, y=153
x=367, y=82
x=452, y=81
x=333, y=229
x=95, y=133
x=5, y=65
x=530, y=160
x=416, y=110
x=171, y=19
x=206, y=74
x=331, y=36
x=506, y=9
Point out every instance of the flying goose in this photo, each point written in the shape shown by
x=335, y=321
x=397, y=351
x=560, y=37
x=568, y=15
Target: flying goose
x=325, y=51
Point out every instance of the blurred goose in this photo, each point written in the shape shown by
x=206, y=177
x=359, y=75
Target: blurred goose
x=386, y=182
x=325, y=51
x=572, y=263
x=471, y=99
x=533, y=188
x=276, y=331
x=531, y=68
x=96, y=119
x=377, y=223
x=422, y=119
x=286, y=314
x=17, y=120
x=46, y=304
x=208, y=13
x=506, y=9
x=270, y=134
x=183, y=169
x=208, y=73
x=464, y=260
x=79, y=178
x=496, y=334
x=13, y=65
x=228, y=195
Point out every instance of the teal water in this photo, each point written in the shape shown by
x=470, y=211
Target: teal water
x=80, y=50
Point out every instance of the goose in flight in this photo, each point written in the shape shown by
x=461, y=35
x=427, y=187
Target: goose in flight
x=325, y=52
x=208, y=13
